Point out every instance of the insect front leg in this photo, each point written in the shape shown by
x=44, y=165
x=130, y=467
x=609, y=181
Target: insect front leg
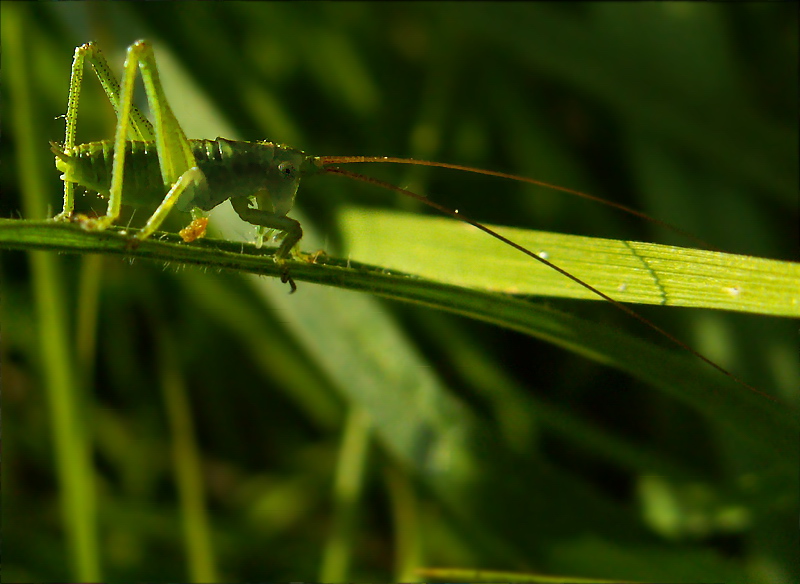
x=266, y=219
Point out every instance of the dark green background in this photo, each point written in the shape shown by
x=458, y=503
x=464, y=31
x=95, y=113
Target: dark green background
x=684, y=110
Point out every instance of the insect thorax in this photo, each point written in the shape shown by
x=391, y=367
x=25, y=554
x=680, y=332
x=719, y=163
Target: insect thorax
x=243, y=169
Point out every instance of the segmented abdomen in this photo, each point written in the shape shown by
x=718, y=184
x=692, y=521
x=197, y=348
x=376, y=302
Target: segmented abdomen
x=231, y=169
x=90, y=166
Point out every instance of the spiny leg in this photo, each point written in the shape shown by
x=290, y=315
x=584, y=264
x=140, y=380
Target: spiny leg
x=179, y=169
x=140, y=127
x=75, y=80
x=177, y=163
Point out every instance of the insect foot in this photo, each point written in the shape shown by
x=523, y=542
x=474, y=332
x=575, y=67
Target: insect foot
x=88, y=223
x=285, y=277
x=313, y=258
x=64, y=216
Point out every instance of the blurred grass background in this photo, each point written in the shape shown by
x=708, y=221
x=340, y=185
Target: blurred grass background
x=223, y=421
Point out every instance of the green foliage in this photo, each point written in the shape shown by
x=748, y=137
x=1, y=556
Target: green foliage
x=211, y=426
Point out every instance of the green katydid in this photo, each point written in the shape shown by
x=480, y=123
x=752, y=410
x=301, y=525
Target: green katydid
x=155, y=166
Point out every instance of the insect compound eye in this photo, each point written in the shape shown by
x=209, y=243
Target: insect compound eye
x=287, y=170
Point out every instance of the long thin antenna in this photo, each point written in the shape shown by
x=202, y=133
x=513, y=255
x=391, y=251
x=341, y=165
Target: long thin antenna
x=326, y=160
x=538, y=258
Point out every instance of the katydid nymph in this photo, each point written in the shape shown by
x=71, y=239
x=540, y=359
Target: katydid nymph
x=155, y=166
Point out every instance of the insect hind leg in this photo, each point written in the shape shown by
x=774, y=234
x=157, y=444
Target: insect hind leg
x=139, y=127
x=71, y=117
x=176, y=161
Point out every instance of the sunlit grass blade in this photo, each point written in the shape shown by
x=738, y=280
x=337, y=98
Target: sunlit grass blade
x=447, y=251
